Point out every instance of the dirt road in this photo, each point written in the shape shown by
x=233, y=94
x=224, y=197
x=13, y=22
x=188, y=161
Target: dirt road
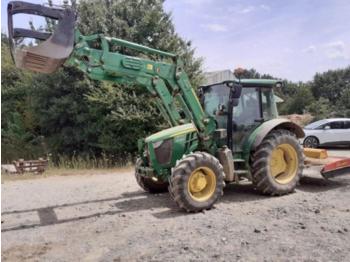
x=106, y=217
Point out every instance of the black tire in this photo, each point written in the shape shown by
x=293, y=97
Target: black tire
x=179, y=186
x=311, y=142
x=148, y=184
x=263, y=179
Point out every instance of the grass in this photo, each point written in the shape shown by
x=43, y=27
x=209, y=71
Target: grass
x=77, y=165
x=63, y=171
x=91, y=162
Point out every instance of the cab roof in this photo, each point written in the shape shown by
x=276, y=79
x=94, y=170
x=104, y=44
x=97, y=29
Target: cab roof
x=218, y=77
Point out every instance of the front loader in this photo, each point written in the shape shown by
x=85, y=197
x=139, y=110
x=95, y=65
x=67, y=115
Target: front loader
x=227, y=134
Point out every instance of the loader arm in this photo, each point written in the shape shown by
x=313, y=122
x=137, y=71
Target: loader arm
x=101, y=58
x=165, y=78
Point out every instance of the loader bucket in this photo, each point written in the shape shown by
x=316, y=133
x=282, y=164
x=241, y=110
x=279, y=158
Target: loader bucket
x=54, y=47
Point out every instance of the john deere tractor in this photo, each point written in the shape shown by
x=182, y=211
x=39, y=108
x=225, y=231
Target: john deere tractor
x=227, y=133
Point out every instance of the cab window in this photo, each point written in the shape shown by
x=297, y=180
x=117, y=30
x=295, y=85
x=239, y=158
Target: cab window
x=268, y=104
x=248, y=109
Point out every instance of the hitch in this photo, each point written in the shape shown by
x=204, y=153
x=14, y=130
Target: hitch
x=55, y=47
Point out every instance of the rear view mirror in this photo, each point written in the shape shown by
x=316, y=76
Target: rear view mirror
x=279, y=84
x=327, y=128
x=235, y=94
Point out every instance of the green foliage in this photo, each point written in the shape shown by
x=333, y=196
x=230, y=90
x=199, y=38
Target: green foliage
x=128, y=113
x=321, y=108
x=343, y=104
x=331, y=84
x=253, y=74
x=143, y=22
x=332, y=89
x=79, y=121
x=78, y=118
x=63, y=112
x=17, y=141
x=19, y=135
x=297, y=99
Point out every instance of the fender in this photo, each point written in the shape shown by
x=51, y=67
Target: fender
x=257, y=136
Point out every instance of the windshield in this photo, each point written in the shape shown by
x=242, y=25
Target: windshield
x=215, y=96
x=216, y=103
x=315, y=124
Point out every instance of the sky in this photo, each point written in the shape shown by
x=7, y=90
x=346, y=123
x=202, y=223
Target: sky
x=290, y=39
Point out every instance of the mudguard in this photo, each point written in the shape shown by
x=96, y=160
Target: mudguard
x=257, y=136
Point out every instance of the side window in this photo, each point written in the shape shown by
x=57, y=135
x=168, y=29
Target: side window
x=336, y=125
x=347, y=125
x=268, y=104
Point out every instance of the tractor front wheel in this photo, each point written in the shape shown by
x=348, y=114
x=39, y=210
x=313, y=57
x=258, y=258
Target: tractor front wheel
x=148, y=184
x=277, y=164
x=197, y=182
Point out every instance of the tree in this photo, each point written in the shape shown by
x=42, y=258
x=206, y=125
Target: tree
x=331, y=84
x=144, y=22
x=19, y=128
x=79, y=116
x=253, y=74
x=296, y=101
x=321, y=108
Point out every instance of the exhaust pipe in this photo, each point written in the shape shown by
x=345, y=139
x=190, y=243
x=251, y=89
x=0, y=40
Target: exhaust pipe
x=55, y=47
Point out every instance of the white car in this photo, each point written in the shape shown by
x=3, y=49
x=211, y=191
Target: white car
x=327, y=132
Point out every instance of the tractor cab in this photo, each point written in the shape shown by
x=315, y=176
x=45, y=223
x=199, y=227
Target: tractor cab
x=255, y=105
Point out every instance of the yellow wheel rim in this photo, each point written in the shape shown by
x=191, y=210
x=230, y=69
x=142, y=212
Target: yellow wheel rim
x=284, y=163
x=202, y=184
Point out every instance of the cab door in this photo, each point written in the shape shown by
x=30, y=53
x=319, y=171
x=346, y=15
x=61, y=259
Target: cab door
x=246, y=116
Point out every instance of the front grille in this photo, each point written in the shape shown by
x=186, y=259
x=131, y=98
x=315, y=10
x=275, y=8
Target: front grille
x=164, y=151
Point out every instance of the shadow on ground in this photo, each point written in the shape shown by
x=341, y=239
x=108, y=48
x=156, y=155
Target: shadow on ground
x=47, y=215
x=139, y=200
x=315, y=185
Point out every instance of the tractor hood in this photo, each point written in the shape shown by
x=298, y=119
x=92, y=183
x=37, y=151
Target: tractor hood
x=171, y=132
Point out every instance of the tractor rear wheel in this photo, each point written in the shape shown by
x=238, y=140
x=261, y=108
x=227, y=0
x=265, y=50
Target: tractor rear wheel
x=148, y=184
x=197, y=182
x=277, y=164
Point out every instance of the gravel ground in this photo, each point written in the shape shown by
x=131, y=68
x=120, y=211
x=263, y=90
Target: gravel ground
x=106, y=217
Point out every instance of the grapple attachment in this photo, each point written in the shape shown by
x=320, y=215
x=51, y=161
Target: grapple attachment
x=53, y=49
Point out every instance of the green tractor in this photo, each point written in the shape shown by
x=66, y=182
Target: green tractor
x=228, y=133
x=251, y=143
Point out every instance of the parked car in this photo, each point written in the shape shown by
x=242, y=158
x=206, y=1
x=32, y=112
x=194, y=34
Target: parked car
x=327, y=132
